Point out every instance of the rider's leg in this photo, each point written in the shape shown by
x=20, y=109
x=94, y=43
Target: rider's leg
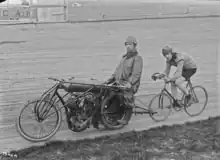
x=186, y=74
x=129, y=102
x=174, y=90
x=180, y=84
x=129, y=99
x=174, y=93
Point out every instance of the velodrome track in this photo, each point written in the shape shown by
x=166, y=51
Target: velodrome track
x=93, y=50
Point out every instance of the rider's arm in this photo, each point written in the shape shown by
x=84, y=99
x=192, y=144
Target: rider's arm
x=167, y=69
x=178, y=72
x=112, y=78
x=137, y=70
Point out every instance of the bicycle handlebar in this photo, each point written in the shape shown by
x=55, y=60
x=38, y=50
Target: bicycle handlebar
x=158, y=75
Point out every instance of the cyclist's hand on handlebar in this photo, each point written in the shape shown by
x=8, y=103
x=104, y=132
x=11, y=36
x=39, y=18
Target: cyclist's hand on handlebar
x=161, y=75
x=167, y=79
x=157, y=75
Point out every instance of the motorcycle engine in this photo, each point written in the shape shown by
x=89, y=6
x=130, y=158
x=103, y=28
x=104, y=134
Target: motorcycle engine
x=80, y=111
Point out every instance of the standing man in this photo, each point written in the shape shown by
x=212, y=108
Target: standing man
x=128, y=72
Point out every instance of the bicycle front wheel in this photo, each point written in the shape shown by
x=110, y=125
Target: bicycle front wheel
x=198, y=101
x=38, y=121
x=160, y=107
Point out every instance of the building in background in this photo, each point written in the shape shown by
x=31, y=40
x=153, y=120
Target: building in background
x=25, y=2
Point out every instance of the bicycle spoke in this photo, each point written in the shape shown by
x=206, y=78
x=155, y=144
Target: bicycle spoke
x=39, y=131
x=29, y=113
x=50, y=125
x=160, y=107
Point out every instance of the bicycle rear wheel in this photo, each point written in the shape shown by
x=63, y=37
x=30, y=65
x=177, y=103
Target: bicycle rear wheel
x=34, y=112
x=198, y=102
x=160, y=106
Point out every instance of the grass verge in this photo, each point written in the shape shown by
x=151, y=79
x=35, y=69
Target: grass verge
x=194, y=140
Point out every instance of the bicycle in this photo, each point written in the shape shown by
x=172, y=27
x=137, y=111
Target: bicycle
x=172, y=102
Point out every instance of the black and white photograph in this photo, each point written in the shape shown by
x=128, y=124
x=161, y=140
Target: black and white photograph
x=109, y=79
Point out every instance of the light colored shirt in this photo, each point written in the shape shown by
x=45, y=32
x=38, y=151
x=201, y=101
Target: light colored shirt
x=188, y=61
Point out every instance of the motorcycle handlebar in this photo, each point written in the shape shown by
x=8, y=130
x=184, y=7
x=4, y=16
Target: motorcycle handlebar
x=101, y=84
x=55, y=79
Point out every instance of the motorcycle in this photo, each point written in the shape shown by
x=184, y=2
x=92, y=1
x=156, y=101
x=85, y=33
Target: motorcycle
x=84, y=104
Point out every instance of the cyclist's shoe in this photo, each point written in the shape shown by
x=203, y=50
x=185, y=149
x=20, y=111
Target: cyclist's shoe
x=188, y=99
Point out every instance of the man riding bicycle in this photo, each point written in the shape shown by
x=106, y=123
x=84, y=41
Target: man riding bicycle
x=186, y=68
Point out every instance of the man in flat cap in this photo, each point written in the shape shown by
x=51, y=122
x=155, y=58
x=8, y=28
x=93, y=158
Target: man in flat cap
x=128, y=72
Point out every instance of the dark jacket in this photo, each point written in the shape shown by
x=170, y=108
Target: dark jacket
x=129, y=70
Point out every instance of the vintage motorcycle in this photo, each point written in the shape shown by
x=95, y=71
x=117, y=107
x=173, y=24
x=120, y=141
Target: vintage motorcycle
x=83, y=103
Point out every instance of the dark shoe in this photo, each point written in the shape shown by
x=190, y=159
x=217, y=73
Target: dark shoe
x=96, y=125
x=124, y=122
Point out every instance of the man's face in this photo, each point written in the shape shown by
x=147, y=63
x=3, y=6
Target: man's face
x=130, y=47
x=168, y=56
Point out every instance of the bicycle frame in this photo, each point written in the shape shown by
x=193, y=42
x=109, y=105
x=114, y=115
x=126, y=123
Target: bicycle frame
x=189, y=84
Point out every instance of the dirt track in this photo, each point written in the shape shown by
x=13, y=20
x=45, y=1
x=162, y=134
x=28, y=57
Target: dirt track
x=92, y=50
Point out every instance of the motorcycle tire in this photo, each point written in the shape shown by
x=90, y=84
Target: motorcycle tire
x=127, y=113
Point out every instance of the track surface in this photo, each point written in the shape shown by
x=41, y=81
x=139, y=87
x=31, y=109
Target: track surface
x=93, y=50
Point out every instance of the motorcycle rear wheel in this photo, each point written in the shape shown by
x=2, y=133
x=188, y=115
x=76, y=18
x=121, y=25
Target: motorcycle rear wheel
x=125, y=114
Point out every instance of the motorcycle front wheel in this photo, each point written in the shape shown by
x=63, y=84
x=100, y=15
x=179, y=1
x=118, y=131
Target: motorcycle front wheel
x=39, y=112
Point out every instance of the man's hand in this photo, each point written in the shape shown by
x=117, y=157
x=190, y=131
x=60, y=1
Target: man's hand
x=127, y=85
x=161, y=75
x=167, y=79
x=110, y=80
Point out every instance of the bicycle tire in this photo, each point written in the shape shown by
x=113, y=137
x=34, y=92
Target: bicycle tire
x=160, y=105
x=23, y=134
x=204, y=106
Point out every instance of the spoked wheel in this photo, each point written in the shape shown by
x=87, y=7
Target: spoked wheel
x=160, y=106
x=198, y=101
x=112, y=111
x=38, y=121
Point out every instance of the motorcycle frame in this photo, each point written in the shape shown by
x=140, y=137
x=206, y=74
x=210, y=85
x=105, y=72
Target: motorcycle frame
x=58, y=98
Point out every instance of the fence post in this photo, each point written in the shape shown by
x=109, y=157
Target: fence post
x=65, y=10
